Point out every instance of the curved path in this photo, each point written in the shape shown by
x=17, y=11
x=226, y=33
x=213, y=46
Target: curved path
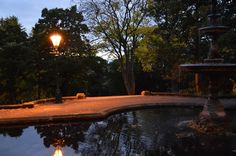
x=94, y=108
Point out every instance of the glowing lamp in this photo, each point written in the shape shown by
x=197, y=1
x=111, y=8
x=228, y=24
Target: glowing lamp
x=56, y=39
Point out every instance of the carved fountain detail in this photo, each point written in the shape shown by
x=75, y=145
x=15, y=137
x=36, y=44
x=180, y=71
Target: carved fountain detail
x=213, y=115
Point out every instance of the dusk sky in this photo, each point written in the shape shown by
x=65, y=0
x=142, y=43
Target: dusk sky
x=29, y=11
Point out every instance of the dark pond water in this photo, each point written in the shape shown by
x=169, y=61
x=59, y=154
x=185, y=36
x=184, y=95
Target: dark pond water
x=154, y=132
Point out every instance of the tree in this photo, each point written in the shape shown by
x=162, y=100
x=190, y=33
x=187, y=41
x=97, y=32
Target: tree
x=182, y=22
x=115, y=24
x=161, y=54
x=80, y=70
x=67, y=22
x=75, y=47
x=15, y=62
x=228, y=41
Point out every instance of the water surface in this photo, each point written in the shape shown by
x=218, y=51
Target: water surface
x=157, y=131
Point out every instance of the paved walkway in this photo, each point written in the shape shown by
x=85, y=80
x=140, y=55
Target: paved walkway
x=93, y=108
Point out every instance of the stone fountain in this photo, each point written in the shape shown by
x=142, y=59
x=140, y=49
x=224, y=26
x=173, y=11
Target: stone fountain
x=213, y=67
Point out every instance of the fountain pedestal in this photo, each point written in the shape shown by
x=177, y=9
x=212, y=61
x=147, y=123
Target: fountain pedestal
x=213, y=108
x=213, y=117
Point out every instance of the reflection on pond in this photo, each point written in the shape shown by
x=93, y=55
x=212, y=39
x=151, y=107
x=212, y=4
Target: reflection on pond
x=61, y=135
x=141, y=132
x=12, y=131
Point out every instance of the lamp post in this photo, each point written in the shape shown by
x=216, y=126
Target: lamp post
x=56, y=39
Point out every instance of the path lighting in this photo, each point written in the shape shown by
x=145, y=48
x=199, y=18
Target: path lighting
x=56, y=39
x=58, y=152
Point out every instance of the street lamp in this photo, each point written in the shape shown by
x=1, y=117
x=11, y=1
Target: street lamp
x=56, y=39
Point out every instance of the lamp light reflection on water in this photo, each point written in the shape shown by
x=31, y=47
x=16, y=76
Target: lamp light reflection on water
x=58, y=152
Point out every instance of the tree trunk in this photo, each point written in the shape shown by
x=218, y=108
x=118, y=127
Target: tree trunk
x=12, y=90
x=129, y=79
x=129, y=83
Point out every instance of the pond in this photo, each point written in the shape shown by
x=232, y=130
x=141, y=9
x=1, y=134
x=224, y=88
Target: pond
x=157, y=131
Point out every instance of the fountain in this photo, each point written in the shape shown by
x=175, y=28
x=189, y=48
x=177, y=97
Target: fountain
x=213, y=116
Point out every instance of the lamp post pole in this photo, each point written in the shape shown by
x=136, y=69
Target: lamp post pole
x=56, y=39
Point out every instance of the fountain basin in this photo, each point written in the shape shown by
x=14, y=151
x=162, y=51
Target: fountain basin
x=209, y=68
x=213, y=30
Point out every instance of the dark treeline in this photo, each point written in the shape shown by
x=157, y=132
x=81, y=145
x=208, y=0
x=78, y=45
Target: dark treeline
x=147, y=60
x=28, y=70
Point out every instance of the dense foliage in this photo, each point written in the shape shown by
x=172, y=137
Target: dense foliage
x=148, y=39
x=15, y=61
x=175, y=39
x=28, y=70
